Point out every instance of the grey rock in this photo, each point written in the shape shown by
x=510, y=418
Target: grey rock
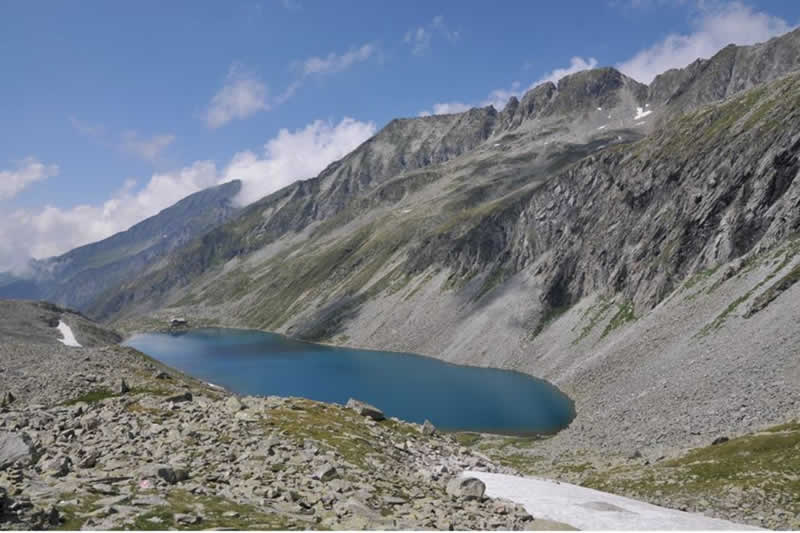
x=123, y=387
x=149, y=500
x=394, y=500
x=170, y=474
x=15, y=447
x=183, y=397
x=57, y=467
x=466, y=487
x=234, y=404
x=8, y=399
x=89, y=460
x=325, y=473
x=365, y=409
x=112, y=500
x=188, y=519
x=428, y=428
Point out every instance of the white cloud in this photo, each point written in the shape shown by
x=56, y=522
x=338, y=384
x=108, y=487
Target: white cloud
x=148, y=149
x=94, y=131
x=717, y=26
x=330, y=64
x=446, y=108
x=53, y=230
x=130, y=142
x=28, y=171
x=289, y=156
x=420, y=38
x=576, y=64
x=499, y=97
x=242, y=96
x=337, y=62
x=439, y=25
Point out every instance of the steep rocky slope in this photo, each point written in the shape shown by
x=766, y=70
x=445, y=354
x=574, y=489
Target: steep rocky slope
x=467, y=161
x=75, y=278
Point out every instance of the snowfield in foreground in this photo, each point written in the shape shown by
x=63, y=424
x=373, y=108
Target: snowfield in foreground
x=585, y=508
x=69, y=337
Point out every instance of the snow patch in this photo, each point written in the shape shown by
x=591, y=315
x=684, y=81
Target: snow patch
x=599, y=108
x=69, y=337
x=640, y=123
x=214, y=386
x=641, y=113
x=585, y=508
x=604, y=126
x=406, y=211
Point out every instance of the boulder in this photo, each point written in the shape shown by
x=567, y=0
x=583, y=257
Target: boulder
x=469, y=488
x=89, y=460
x=184, y=397
x=8, y=399
x=123, y=387
x=188, y=519
x=15, y=447
x=719, y=440
x=325, y=473
x=170, y=474
x=234, y=404
x=57, y=467
x=365, y=409
x=428, y=429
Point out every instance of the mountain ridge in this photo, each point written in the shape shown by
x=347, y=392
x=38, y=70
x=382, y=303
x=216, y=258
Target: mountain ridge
x=306, y=202
x=77, y=276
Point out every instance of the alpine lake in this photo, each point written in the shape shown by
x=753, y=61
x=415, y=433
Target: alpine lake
x=410, y=387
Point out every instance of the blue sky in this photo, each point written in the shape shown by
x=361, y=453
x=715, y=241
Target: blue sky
x=112, y=111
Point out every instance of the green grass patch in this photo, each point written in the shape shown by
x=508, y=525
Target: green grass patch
x=699, y=277
x=597, y=311
x=739, y=459
x=624, y=314
x=71, y=514
x=523, y=463
x=341, y=430
x=467, y=439
x=94, y=396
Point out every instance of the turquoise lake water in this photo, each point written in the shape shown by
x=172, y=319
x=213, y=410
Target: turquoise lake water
x=410, y=387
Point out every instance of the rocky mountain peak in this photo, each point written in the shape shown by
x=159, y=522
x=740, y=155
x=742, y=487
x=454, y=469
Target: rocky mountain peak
x=596, y=88
x=733, y=69
x=574, y=96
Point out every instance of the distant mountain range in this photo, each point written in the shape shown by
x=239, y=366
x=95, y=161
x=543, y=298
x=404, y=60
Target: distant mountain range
x=77, y=277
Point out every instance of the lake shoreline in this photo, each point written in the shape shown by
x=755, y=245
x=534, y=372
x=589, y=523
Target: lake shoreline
x=411, y=386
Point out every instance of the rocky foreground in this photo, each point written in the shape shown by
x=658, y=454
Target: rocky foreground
x=104, y=437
